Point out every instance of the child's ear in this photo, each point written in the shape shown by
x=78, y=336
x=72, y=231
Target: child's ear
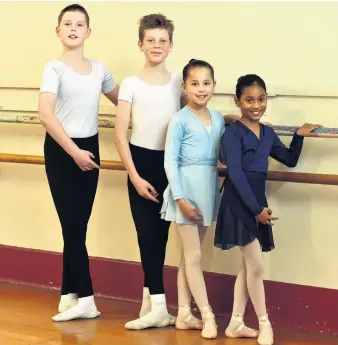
x=237, y=101
x=140, y=45
x=89, y=31
x=57, y=30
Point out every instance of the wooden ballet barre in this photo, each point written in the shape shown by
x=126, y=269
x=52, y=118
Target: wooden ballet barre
x=109, y=122
x=296, y=177
x=321, y=132
x=39, y=160
x=279, y=176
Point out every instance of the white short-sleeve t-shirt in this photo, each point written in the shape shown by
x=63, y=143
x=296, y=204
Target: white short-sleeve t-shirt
x=78, y=95
x=152, y=108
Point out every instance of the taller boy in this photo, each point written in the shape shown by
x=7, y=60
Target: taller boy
x=149, y=99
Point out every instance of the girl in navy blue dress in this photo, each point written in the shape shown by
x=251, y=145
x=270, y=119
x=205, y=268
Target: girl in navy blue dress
x=244, y=217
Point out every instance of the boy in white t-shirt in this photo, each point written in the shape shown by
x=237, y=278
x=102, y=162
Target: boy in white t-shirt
x=149, y=99
x=68, y=109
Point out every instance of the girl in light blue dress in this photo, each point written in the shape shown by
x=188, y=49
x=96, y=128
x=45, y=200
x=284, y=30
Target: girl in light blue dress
x=192, y=196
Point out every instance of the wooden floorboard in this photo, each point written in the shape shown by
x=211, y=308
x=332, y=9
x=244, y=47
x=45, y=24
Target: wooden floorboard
x=25, y=319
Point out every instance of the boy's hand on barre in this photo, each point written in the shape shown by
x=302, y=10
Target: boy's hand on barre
x=306, y=130
x=265, y=217
x=189, y=210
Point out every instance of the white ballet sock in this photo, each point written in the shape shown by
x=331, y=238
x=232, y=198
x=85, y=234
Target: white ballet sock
x=84, y=309
x=146, y=302
x=67, y=301
x=158, y=317
x=68, y=297
x=159, y=305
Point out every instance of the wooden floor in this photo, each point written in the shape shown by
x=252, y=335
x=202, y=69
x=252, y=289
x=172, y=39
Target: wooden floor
x=25, y=319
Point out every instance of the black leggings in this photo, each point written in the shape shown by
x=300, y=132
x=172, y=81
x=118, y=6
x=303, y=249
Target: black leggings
x=152, y=231
x=73, y=192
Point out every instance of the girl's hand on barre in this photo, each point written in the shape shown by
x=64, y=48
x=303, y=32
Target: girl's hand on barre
x=306, y=130
x=231, y=118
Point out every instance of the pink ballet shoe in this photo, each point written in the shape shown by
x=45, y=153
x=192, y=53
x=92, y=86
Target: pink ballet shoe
x=191, y=322
x=241, y=331
x=265, y=331
x=209, y=323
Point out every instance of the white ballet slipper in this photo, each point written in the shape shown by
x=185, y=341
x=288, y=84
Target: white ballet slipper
x=149, y=321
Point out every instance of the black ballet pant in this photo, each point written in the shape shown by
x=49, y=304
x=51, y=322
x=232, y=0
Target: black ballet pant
x=152, y=231
x=73, y=192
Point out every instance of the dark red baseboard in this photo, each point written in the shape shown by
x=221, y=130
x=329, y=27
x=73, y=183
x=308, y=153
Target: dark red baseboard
x=299, y=306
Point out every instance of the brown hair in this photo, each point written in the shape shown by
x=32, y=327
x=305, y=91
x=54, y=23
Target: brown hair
x=74, y=8
x=197, y=63
x=155, y=21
